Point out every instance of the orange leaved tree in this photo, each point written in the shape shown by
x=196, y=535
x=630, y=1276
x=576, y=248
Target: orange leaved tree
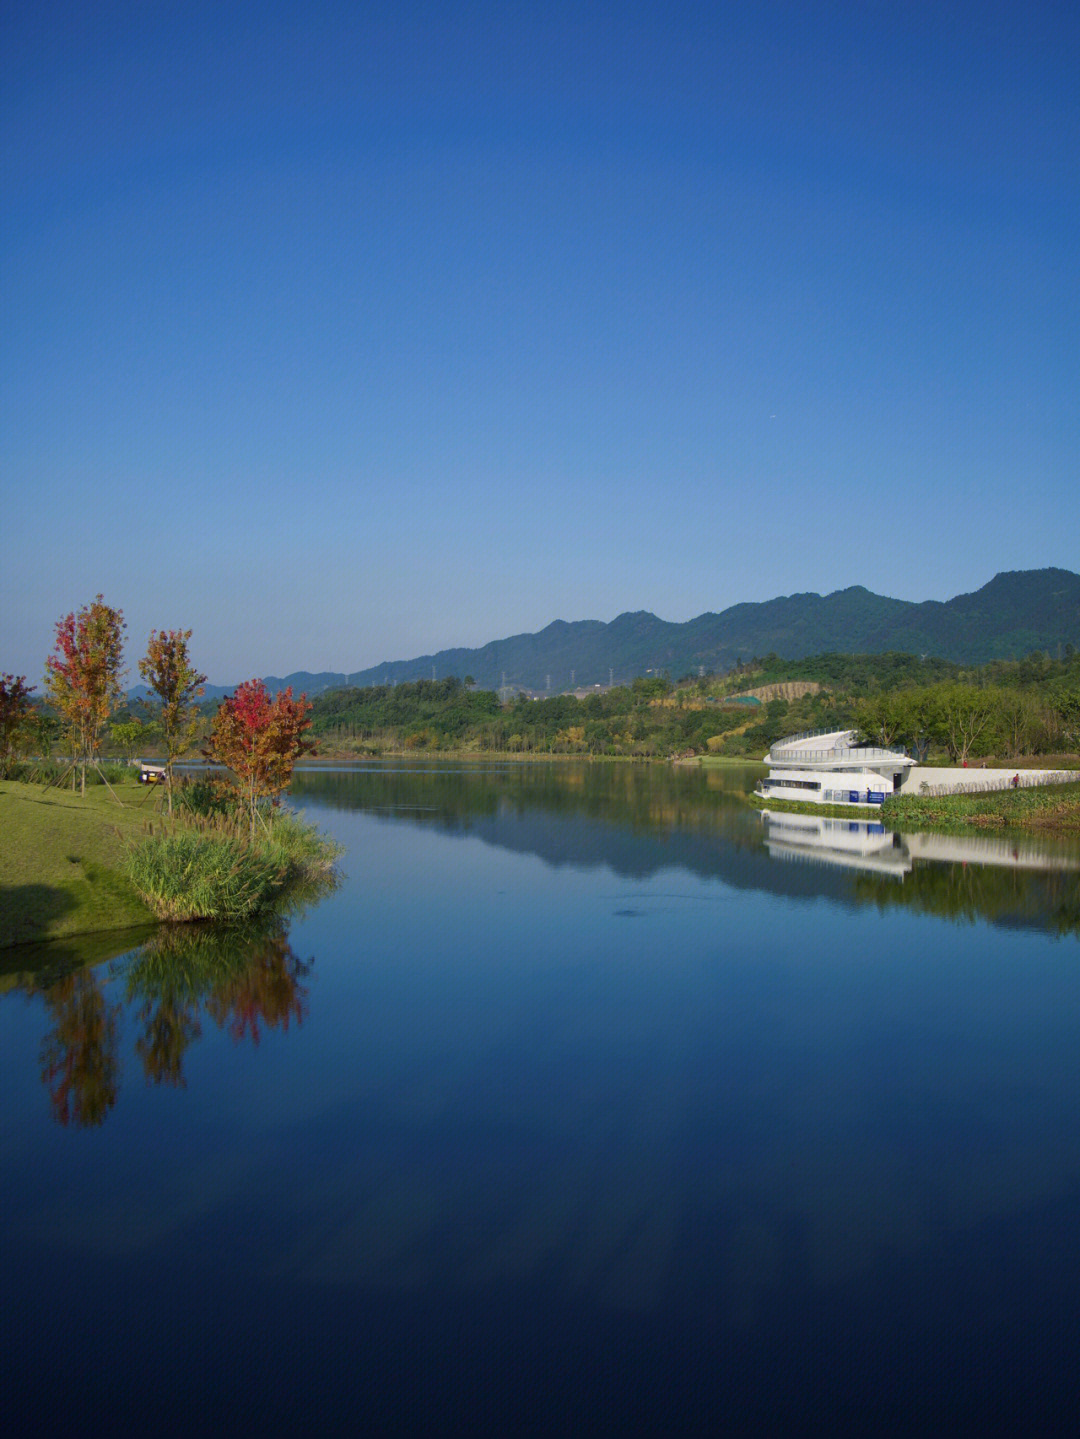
x=177, y=684
x=83, y=676
x=260, y=739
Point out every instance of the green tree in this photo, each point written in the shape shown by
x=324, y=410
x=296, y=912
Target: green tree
x=83, y=676
x=1018, y=716
x=884, y=715
x=966, y=710
x=133, y=734
x=168, y=671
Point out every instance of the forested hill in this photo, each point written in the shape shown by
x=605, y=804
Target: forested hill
x=1015, y=613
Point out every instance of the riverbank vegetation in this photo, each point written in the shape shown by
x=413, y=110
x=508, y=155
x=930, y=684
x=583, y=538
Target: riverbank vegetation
x=74, y=865
x=939, y=711
x=1051, y=807
x=1048, y=807
x=213, y=868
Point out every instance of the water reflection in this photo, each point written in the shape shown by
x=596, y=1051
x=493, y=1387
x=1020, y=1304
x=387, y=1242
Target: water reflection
x=1021, y=879
x=245, y=980
x=638, y=820
x=850, y=844
x=724, y=1166
x=869, y=846
x=80, y=1064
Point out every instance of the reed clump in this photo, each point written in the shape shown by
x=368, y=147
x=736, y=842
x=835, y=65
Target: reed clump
x=212, y=868
x=189, y=875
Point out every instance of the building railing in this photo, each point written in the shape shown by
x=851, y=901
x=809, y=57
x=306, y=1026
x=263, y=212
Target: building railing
x=1002, y=781
x=847, y=753
x=811, y=733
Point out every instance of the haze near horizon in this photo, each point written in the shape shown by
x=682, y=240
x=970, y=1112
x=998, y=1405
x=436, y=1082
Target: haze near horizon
x=343, y=335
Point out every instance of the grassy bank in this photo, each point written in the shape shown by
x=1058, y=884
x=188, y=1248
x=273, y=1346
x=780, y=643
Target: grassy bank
x=62, y=861
x=74, y=865
x=828, y=811
x=725, y=761
x=1052, y=807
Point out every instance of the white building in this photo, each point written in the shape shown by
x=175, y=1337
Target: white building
x=828, y=767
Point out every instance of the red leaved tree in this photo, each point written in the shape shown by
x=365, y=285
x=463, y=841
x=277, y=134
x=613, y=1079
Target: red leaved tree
x=83, y=676
x=15, y=724
x=260, y=739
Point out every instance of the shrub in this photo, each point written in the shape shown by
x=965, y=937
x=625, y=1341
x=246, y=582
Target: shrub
x=206, y=797
x=30, y=771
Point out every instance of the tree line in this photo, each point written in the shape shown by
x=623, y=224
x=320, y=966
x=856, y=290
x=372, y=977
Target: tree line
x=933, y=707
x=257, y=738
x=1007, y=709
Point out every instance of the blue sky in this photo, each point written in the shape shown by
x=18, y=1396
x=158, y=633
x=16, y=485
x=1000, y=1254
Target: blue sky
x=340, y=333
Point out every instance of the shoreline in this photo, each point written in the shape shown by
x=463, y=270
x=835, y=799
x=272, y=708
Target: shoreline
x=1043, y=809
x=61, y=864
x=66, y=867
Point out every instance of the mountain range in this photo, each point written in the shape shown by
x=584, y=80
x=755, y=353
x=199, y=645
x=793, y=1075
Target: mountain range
x=1017, y=612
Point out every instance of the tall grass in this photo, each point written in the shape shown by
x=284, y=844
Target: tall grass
x=189, y=876
x=212, y=870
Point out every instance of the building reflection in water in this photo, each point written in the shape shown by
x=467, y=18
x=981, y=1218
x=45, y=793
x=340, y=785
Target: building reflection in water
x=868, y=846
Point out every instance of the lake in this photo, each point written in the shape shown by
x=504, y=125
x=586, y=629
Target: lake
x=592, y=1101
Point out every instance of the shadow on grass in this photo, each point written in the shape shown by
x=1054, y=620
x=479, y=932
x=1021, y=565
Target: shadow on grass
x=27, y=910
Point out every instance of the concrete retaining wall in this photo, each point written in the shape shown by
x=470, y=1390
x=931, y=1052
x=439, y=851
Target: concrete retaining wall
x=957, y=780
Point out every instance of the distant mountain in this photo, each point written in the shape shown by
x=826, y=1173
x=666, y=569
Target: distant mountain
x=1017, y=612
x=303, y=682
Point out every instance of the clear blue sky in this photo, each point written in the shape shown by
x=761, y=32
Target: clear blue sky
x=347, y=332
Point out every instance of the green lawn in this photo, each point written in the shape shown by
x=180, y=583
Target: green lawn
x=60, y=860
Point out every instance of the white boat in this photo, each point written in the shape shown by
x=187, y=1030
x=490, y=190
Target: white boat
x=828, y=767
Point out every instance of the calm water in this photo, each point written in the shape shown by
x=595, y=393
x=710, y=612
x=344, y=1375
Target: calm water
x=590, y=1102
